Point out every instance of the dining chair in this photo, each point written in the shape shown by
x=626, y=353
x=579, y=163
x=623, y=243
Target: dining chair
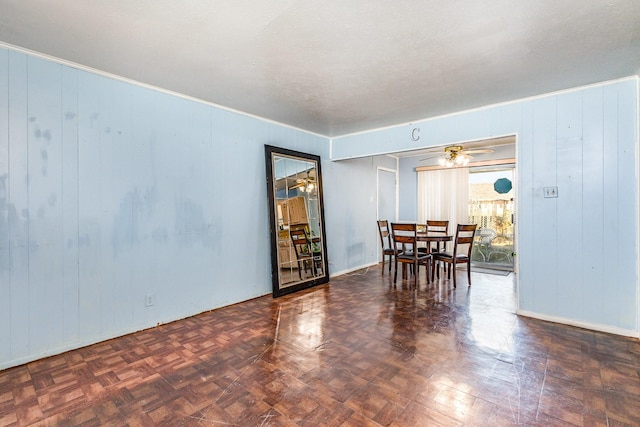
x=388, y=248
x=437, y=227
x=405, y=242
x=464, y=236
x=303, y=249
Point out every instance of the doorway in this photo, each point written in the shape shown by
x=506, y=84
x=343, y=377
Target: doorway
x=387, y=197
x=491, y=206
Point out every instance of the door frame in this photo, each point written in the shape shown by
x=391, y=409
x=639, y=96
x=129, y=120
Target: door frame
x=379, y=170
x=514, y=174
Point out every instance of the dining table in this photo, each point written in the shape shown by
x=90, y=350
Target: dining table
x=423, y=236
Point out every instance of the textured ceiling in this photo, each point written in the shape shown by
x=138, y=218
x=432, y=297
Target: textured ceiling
x=338, y=67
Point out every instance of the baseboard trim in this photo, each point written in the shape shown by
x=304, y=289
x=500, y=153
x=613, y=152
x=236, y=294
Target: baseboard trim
x=585, y=325
x=78, y=344
x=351, y=270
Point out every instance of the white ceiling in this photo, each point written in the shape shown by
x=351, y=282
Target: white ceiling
x=338, y=67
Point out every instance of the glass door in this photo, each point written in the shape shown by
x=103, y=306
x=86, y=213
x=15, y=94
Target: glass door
x=491, y=206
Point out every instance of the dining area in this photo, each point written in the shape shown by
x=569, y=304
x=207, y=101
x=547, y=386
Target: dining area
x=432, y=245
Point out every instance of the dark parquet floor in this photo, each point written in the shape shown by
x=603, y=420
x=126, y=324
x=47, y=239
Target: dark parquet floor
x=356, y=352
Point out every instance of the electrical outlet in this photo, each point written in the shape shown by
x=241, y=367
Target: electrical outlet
x=148, y=300
x=550, y=192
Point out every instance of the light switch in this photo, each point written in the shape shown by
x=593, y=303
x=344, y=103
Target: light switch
x=550, y=192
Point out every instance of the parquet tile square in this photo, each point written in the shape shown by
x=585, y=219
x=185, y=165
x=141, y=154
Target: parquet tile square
x=419, y=416
x=338, y=383
x=378, y=402
x=357, y=352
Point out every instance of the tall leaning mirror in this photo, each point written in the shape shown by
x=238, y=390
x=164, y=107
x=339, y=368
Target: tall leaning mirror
x=298, y=244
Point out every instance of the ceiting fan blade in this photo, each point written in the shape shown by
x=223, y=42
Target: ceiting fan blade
x=298, y=185
x=478, y=151
x=432, y=156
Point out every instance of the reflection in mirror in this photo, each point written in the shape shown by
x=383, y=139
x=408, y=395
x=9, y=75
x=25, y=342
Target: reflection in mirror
x=298, y=245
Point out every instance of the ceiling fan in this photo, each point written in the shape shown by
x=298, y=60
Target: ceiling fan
x=456, y=155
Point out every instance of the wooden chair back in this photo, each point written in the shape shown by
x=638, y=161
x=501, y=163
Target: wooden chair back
x=303, y=248
x=388, y=249
x=438, y=227
x=465, y=234
x=405, y=241
x=403, y=235
x=385, y=234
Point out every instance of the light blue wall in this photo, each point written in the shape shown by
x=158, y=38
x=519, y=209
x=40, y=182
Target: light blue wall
x=408, y=209
x=350, y=207
x=110, y=192
x=577, y=254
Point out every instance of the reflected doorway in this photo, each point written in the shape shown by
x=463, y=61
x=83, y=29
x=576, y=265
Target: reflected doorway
x=491, y=206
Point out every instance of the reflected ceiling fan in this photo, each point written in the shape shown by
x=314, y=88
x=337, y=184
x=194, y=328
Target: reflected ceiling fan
x=306, y=184
x=456, y=155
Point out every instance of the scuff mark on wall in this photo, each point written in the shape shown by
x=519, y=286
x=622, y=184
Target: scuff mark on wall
x=129, y=222
x=191, y=226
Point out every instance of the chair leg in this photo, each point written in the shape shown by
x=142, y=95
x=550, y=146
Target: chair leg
x=469, y=273
x=453, y=267
x=395, y=271
x=436, y=268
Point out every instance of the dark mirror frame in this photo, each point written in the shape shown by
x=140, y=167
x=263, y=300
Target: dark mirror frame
x=278, y=289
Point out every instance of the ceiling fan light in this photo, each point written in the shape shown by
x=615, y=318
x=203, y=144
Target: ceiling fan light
x=461, y=159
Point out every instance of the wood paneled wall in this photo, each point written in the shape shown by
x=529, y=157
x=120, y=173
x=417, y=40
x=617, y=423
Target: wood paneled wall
x=578, y=253
x=112, y=193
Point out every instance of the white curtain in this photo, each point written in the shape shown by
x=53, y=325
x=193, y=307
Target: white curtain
x=444, y=195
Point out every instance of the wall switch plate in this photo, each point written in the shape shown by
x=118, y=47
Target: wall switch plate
x=550, y=192
x=148, y=300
